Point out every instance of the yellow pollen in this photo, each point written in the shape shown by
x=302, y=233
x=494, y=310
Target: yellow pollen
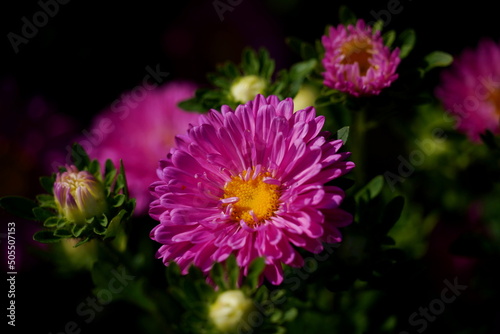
x=254, y=196
x=74, y=181
x=359, y=51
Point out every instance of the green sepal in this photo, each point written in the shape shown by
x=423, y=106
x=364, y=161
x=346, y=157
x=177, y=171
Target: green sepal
x=54, y=222
x=79, y=157
x=81, y=242
x=46, y=237
x=63, y=233
x=77, y=230
x=47, y=183
x=42, y=214
x=46, y=201
x=19, y=206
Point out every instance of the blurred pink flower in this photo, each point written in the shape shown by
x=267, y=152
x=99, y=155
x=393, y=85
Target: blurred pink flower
x=356, y=60
x=470, y=90
x=140, y=129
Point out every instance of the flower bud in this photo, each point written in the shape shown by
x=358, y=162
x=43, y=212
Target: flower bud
x=79, y=195
x=246, y=88
x=229, y=309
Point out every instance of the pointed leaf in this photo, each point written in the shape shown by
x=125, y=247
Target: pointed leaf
x=343, y=134
x=371, y=190
x=346, y=16
x=46, y=237
x=42, y=214
x=19, y=206
x=47, y=183
x=407, y=39
x=79, y=156
x=392, y=212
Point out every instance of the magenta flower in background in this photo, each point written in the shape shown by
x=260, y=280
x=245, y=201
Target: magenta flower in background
x=356, y=60
x=140, y=130
x=470, y=90
x=250, y=182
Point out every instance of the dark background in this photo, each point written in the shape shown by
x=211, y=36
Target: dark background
x=89, y=53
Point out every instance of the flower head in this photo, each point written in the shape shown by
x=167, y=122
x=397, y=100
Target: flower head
x=229, y=309
x=470, y=90
x=357, y=61
x=250, y=182
x=142, y=129
x=78, y=195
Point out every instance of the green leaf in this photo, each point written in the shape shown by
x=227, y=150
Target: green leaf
x=115, y=225
x=407, y=39
x=250, y=63
x=79, y=156
x=254, y=272
x=46, y=201
x=371, y=190
x=47, y=183
x=343, y=134
x=54, y=221
x=46, y=237
x=42, y=214
x=217, y=274
x=94, y=168
x=389, y=37
x=19, y=206
x=437, y=59
x=346, y=16
x=77, y=230
x=63, y=233
x=193, y=104
x=233, y=271
x=81, y=242
x=392, y=212
x=378, y=26
x=119, y=200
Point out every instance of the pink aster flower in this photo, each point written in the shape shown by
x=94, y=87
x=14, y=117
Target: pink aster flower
x=138, y=129
x=250, y=182
x=357, y=61
x=470, y=90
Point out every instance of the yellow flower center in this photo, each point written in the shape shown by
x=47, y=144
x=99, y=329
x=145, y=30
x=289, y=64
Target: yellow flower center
x=74, y=181
x=358, y=50
x=257, y=200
